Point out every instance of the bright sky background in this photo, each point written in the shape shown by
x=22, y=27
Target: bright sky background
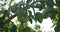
x=45, y=25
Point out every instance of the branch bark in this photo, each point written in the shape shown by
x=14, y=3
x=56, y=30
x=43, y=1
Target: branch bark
x=9, y=19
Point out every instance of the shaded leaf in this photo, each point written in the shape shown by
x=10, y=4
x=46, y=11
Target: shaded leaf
x=6, y=13
x=30, y=15
x=42, y=6
x=30, y=20
x=58, y=3
x=27, y=29
x=37, y=27
x=39, y=17
x=57, y=29
x=53, y=14
x=50, y=3
x=37, y=5
x=28, y=1
x=24, y=12
x=13, y=29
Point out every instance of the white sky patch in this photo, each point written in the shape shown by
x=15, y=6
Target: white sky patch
x=37, y=10
x=32, y=25
x=16, y=22
x=54, y=1
x=6, y=7
x=2, y=2
x=54, y=6
x=17, y=1
x=31, y=10
x=47, y=24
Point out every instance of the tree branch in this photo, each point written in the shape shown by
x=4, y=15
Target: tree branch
x=9, y=19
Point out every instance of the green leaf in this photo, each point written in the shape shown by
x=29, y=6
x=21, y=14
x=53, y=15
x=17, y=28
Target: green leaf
x=59, y=15
x=30, y=13
x=13, y=29
x=27, y=29
x=37, y=27
x=53, y=14
x=30, y=20
x=57, y=29
x=30, y=16
x=39, y=17
x=26, y=19
x=50, y=3
x=2, y=24
x=1, y=14
x=47, y=14
x=58, y=3
x=6, y=29
x=37, y=5
x=24, y=12
x=42, y=6
x=6, y=13
x=13, y=8
x=28, y=1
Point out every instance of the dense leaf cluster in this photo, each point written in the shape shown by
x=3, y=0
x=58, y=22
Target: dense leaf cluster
x=24, y=15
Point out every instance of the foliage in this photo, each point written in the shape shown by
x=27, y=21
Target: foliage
x=24, y=15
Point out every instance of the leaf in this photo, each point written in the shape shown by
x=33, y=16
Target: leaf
x=6, y=27
x=13, y=8
x=1, y=14
x=24, y=12
x=50, y=3
x=13, y=29
x=28, y=1
x=42, y=6
x=47, y=15
x=6, y=13
x=39, y=17
x=21, y=13
x=27, y=29
x=57, y=29
x=26, y=19
x=58, y=3
x=2, y=24
x=59, y=14
x=54, y=21
x=53, y=14
x=37, y=27
x=30, y=20
x=37, y=5
x=30, y=15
